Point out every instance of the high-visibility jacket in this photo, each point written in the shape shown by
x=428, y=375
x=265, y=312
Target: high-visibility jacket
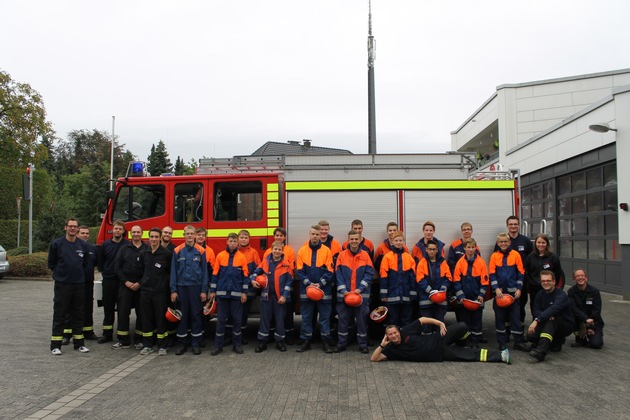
x=470, y=278
x=506, y=271
x=189, y=267
x=432, y=276
x=230, y=275
x=420, y=249
x=354, y=271
x=398, y=277
x=279, y=277
x=315, y=265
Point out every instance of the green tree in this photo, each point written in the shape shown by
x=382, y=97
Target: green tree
x=22, y=123
x=180, y=166
x=84, y=193
x=158, y=161
x=191, y=167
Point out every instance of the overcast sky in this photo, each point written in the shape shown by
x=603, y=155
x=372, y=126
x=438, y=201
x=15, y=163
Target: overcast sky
x=220, y=78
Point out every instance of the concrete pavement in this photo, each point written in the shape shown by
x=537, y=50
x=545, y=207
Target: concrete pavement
x=106, y=384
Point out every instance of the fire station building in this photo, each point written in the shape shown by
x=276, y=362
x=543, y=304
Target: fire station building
x=569, y=140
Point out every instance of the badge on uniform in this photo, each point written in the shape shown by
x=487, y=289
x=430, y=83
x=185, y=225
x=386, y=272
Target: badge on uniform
x=158, y=265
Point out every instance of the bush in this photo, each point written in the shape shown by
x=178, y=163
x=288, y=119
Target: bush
x=17, y=251
x=34, y=265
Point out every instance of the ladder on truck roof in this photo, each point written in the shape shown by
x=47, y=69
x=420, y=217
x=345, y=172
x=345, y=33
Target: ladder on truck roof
x=353, y=166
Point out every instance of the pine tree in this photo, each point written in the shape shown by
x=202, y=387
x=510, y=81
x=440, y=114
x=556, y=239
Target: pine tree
x=158, y=161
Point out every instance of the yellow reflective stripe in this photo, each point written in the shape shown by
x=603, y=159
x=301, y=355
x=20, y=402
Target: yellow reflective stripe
x=272, y=223
x=78, y=337
x=108, y=327
x=67, y=330
x=122, y=332
x=145, y=234
x=483, y=355
x=88, y=328
x=272, y=187
x=399, y=185
x=547, y=336
x=272, y=195
x=223, y=233
x=273, y=214
x=273, y=205
x=148, y=334
x=56, y=338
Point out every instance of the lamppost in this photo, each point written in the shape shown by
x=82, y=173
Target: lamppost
x=111, y=163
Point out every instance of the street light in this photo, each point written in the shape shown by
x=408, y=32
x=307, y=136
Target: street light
x=601, y=128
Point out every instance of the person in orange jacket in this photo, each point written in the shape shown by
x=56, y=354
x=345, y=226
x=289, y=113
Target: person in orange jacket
x=432, y=275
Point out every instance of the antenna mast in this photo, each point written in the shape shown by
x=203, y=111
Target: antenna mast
x=371, y=100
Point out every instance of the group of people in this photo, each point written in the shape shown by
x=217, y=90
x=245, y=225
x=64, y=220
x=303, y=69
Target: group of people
x=336, y=283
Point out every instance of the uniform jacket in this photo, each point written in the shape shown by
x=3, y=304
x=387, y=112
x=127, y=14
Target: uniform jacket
x=253, y=261
x=129, y=262
x=230, y=277
x=554, y=304
x=354, y=271
x=189, y=267
x=288, y=253
x=380, y=252
x=107, y=257
x=420, y=249
x=157, y=271
x=315, y=265
x=92, y=258
x=521, y=244
x=535, y=263
x=455, y=252
x=586, y=304
x=68, y=260
x=279, y=277
x=470, y=278
x=398, y=277
x=432, y=276
x=365, y=245
x=506, y=271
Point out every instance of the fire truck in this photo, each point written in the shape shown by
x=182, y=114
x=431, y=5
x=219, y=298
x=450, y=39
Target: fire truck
x=260, y=193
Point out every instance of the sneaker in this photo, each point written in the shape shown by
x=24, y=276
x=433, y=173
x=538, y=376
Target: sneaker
x=505, y=357
x=119, y=345
x=146, y=350
x=364, y=350
x=238, y=350
x=522, y=347
x=216, y=351
x=56, y=352
x=538, y=355
x=83, y=349
x=196, y=351
x=139, y=346
x=162, y=352
x=104, y=339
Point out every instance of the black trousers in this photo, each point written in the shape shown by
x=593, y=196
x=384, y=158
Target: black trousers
x=153, y=306
x=457, y=334
x=550, y=333
x=67, y=304
x=110, y=297
x=127, y=299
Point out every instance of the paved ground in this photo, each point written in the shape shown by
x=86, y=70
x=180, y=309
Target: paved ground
x=108, y=384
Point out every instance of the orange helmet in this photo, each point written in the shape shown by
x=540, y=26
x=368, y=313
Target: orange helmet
x=379, y=314
x=504, y=301
x=210, y=308
x=173, y=315
x=314, y=293
x=353, y=299
x=471, y=305
x=261, y=280
x=437, y=296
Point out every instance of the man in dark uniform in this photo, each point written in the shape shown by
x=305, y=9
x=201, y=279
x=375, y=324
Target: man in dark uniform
x=67, y=258
x=410, y=344
x=130, y=268
x=107, y=265
x=586, y=303
x=553, y=318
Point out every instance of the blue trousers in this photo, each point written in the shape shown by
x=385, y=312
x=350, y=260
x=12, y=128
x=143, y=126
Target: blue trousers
x=190, y=305
x=434, y=311
x=399, y=313
x=511, y=314
x=473, y=320
x=346, y=314
x=271, y=310
x=234, y=309
x=308, y=307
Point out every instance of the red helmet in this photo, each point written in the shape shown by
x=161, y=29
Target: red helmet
x=210, y=308
x=504, y=301
x=437, y=296
x=379, y=314
x=314, y=293
x=173, y=315
x=471, y=305
x=262, y=280
x=353, y=299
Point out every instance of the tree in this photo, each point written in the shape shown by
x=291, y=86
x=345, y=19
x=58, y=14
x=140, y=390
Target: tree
x=180, y=166
x=158, y=161
x=22, y=122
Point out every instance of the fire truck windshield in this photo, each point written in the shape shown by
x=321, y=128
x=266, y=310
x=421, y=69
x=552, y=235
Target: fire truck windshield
x=139, y=202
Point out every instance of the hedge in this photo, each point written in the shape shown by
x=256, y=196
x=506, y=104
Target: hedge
x=34, y=265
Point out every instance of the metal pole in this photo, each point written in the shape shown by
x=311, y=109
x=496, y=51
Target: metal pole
x=111, y=163
x=371, y=96
x=19, y=207
x=30, y=208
